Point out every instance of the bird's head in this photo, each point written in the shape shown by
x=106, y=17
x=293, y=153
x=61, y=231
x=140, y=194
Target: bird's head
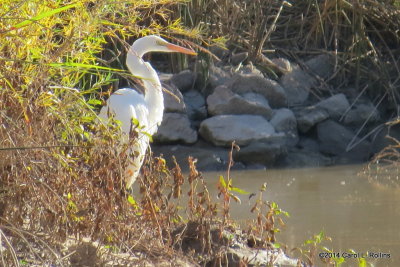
x=154, y=43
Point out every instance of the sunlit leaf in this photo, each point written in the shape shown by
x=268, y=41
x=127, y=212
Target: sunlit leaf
x=238, y=190
x=222, y=181
x=43, y=15
x=94, y=102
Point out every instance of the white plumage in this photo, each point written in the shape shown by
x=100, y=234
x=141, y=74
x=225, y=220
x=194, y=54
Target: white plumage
x=126, y=103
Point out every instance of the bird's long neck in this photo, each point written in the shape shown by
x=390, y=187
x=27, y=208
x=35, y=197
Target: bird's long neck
x=153, y=91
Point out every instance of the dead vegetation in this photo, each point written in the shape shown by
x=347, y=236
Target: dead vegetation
x=62, y=199
x=363, y=37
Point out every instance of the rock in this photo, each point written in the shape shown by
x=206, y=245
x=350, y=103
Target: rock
x=173, y=100
x=297, y=85
x=300, y=158
x=334, y=139
x=336, y=106
x=254, y=83
x=184, y=80
x=209, y=158
x=175, y=127
x=238, y=58
x=195, y=106
x=321, y=65
x=218, y=76
x=165, y=77
x=250, y=69
x=263, y=153
x=221, y=130
x=239, y=250
x=224, y=101
x=384, y=137
x=361, y=112
x=282, y=63
x=307, y=143
x=310, y=116
x=284, y=121
x=219, y=51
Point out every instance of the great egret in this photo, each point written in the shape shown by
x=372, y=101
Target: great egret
x=130, y=107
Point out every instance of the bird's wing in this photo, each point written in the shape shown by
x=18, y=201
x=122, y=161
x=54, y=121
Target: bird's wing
x=125, y=104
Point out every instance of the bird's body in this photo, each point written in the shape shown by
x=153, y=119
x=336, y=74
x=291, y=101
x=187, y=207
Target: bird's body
x=127, y=105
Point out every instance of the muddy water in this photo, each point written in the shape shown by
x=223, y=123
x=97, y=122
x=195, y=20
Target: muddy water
x=356, y=214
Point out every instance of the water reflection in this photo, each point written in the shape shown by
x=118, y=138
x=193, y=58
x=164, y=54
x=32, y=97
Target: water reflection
x=355, y=213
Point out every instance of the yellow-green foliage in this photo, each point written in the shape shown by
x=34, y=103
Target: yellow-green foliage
x=48, y=48
x=60, y=171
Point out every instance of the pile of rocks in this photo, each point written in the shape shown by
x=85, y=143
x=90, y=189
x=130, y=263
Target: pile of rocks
x=275, y=122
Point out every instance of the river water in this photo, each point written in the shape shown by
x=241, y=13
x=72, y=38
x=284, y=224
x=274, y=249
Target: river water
x=355, y=213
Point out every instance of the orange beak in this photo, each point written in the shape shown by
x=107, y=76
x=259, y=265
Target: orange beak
x=180, y=49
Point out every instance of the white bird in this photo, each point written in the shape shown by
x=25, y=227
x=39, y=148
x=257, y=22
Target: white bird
x=129, y=106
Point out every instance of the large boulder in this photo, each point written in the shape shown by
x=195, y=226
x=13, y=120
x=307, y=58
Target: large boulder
x=175, y=127
x=254, y=83
x=321, y=65
x=362, y=111
x=337, y=140
x=238, y=58
x=224, y=101
x=173, y=99
x=300, y=158
x=249, y=69
x=336, y=106
x=184, y=80
x=219, y=76
x=222, y=130
x=310, y=116
x=263, y=153
x=195, y=106
x=385, y=136
x=284, y=121
x=209, y=158
x=297, y=85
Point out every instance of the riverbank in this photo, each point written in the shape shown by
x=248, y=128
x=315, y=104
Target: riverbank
x=276, y=123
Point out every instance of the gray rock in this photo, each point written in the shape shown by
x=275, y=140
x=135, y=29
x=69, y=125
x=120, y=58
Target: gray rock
x=307, y=143
x=175, y=127
x=300, y=158
x=297, y=85
x=209, y=158
x=361, y=112
x=184, y=80
x=250, y=69
x=335, y=138
x=384, y=135
x=258, y=257
x=335, y=105
x=195, y=105
x=238, y=58
x=321, y=65
x=284, y=121
x=219, y=76
x=310, y=116
x=244, y=129
x=263, y=153
x=254, y=83
x=219, y=51
x=224, y=101
x=283, y=63
x=173, y=100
